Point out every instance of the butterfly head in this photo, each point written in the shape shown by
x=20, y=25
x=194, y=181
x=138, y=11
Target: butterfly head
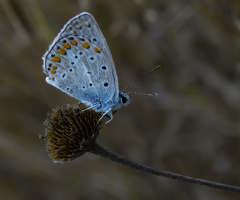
x=124, y=98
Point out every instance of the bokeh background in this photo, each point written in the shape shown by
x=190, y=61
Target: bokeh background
x=191, y=128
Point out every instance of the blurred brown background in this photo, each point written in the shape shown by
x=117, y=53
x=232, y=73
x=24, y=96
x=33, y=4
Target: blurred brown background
x=191, y=128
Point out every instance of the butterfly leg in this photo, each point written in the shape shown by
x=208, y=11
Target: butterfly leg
x=91, y=107
x=107, y=113
x=110, y=115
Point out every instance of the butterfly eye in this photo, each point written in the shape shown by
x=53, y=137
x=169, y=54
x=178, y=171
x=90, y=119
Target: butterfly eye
x=125, y=99
x=105, y=84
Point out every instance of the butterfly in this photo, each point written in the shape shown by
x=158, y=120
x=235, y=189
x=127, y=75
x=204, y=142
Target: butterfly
x=79, y=63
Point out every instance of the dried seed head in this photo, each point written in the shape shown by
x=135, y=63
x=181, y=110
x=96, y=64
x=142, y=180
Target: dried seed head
x=71, y=131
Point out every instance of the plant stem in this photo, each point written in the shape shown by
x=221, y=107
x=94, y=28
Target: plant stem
x=101, y=151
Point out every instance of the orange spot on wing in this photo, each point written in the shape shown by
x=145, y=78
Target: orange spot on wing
x=56, y=59
x=74, y=42
x=66, y=45
x=86, y=45
x=53, y=71
x=97, y=50
x=62, y=51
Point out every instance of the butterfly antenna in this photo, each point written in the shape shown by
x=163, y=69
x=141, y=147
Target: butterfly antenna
x=141, y=78
x=141, y=93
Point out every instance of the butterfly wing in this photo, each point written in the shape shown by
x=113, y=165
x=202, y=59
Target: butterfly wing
x=80, y=63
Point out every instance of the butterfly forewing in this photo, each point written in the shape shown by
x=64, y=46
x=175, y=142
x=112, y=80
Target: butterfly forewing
x=80, y=64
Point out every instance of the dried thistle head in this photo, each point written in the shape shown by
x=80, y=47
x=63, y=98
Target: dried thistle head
x=71, y=131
